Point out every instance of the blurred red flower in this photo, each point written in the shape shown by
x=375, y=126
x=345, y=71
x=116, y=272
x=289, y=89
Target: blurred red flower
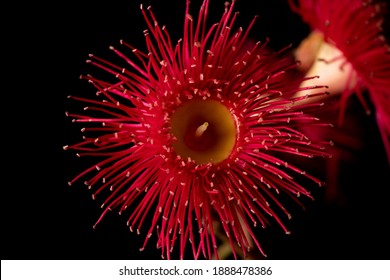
x=348, y=51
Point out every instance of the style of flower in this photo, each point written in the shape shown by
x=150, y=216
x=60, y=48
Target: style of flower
x=349, y=53
x=197, y=133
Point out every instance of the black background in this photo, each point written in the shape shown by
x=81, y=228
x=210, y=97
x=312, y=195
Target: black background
x=44, y=218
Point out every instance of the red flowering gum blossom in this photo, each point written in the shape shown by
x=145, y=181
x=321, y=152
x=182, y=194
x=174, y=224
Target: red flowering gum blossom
x=353, y=56
x=197, y=133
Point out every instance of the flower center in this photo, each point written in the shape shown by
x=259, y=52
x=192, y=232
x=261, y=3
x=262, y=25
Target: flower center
x=205, y=131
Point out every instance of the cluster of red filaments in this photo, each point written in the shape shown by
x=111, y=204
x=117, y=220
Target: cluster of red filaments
x=180, y=196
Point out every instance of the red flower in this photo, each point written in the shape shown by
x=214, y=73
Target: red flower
x=196, y=133
x=354, y=56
